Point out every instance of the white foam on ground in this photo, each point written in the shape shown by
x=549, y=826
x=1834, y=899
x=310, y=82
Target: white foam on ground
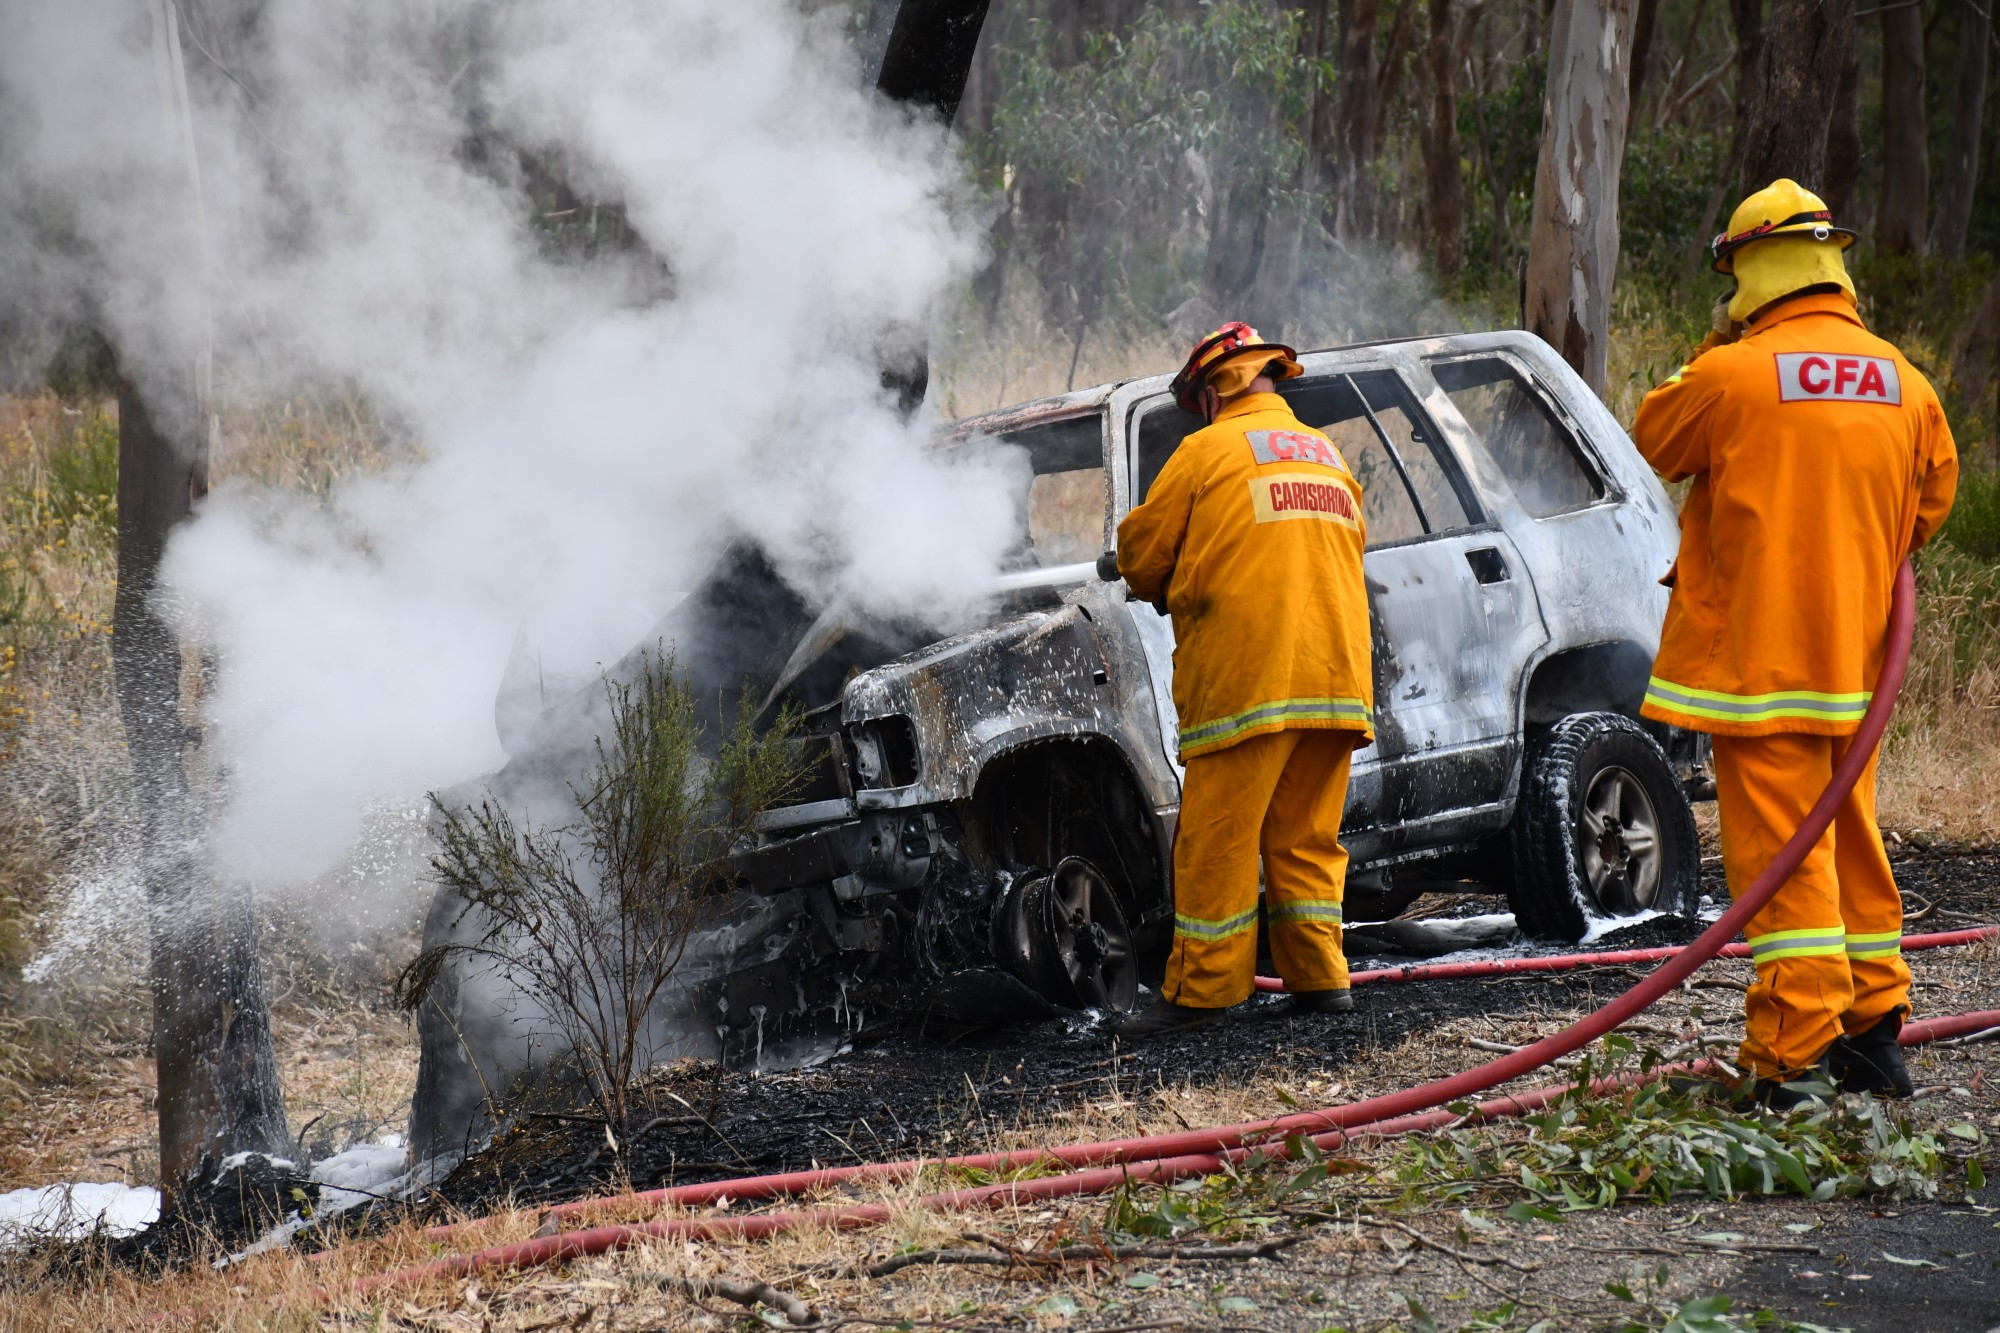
x=1600, y=926
x=360, y=1173
x=73, y=1211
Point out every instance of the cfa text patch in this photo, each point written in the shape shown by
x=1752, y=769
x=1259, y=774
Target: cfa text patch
x=1852, y=379
x=1291, y=446
x=1302, y=495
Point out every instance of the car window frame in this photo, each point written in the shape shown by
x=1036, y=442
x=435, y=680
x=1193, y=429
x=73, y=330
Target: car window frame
x=1612, y=491
x=1137, y=397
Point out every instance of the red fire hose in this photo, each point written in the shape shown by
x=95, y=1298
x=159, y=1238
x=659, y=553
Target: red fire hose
x=1569, y=962
x=756, y=1226
x=1171, y=1155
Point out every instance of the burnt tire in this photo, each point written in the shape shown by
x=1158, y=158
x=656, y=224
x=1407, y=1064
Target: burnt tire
x=1603, y=829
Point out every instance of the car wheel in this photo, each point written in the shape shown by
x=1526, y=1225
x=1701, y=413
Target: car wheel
x=1063, y=933
x=1603, y=829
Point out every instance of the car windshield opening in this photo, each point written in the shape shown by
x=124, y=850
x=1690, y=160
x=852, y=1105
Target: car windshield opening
x=1062, y=514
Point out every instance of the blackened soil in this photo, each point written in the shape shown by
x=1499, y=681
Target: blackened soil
x=913, y=1087
x=1885, y=1270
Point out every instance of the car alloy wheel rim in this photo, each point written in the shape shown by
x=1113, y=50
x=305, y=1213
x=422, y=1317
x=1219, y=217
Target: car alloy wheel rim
x=1618, y=832
x=1086, y=946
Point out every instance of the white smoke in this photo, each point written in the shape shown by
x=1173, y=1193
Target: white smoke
x=587, y=437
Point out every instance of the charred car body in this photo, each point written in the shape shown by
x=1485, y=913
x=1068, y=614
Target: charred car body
x=989, y=820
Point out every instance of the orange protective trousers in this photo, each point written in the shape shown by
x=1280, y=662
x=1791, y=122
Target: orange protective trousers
x=1280, y=796
x=1828, y=946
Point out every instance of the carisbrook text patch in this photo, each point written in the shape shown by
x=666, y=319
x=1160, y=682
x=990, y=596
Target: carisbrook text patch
x=1285, y=495
x=1836, y=375
x=1291, y=446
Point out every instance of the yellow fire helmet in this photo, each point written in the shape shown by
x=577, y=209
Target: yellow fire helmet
x=1781, y=239
x=1232, y=341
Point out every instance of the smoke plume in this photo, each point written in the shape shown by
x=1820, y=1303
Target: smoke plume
x=584, y=437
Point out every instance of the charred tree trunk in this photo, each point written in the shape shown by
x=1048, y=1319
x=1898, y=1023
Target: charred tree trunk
x=1843, y=138
x=1899, y=217
x=1977, y=365
x=1805, y=48
x=1322, y=155
x=1444, y=185
x=925, y=64
x=1961, y=165
x=1573, y=235
x=215, y=1065
x=1643, y=24
x=1354, y=120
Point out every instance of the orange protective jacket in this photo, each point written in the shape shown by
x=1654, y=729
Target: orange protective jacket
x=1820, y=458
x=1253, y=533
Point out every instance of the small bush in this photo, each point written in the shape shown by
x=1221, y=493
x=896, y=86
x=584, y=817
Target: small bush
x=591, y=917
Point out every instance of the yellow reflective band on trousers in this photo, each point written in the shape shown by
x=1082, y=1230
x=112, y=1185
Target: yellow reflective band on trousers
x=1273, y=799
x=1754, y=708
x=1305, y=909
x=1281, y=713
x=1880, y=944
x=1806, y=943
x=1215, y=930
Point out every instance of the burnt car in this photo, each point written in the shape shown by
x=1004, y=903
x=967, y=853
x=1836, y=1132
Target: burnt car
x=989, y=819
x=1006, y=799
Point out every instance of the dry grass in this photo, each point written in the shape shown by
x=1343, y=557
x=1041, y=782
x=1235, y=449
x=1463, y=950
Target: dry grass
x=1343, y=1274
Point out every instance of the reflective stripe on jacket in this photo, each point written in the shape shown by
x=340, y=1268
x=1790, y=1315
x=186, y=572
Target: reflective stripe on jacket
x=1253, y=533
x=1819, y=457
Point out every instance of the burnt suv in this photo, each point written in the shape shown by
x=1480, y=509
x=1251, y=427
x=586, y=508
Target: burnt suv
x=1005, y=800
x=989, y=820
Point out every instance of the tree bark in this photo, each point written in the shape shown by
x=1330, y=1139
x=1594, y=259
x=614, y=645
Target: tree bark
x=214, y=1064
x=1900, y=216
x=1976, y=367
x=1843, y=139
x=1805, y=48
x=1444, y=184
x=1354, y=120
x=1961, y=164
x=1573, y=235
x=1322, y=132
x=1643, y=24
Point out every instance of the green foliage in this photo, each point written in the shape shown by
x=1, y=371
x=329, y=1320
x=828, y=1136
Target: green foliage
x=1973, y=530
x=1111, y=154
x=1501, y=129
x=1652, y=1140
x=592, y=917
x=1664, y=194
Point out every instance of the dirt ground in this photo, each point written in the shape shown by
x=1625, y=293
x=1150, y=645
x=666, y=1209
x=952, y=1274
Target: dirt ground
x=907, y=1090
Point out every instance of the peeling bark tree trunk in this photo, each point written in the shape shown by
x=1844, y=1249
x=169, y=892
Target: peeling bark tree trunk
x=1899, y=219
x=1961, y=164
x=1573, y=235
x=1806, y=46
x=1444, y=185
x=215, y=1066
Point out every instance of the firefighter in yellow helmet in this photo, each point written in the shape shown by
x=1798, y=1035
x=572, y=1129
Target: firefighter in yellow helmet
x=1819, y=458
x=1252, y=534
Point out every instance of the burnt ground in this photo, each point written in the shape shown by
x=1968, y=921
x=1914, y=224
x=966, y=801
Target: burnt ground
x=914, y=1087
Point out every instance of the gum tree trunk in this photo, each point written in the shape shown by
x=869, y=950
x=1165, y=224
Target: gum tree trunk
x=1444, y=186
x=1899, y=220
x=1806, y=46
x=1961, y=165
x=1573, y=235
x=215, y=1065
x=1354, y=120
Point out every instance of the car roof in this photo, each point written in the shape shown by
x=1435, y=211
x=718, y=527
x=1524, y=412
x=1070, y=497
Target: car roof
x=1082, y=402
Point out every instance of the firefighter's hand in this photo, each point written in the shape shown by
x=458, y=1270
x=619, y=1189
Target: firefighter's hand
x=1107, y=567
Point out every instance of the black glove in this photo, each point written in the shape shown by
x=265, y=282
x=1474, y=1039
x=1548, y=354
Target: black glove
x=1107, y=567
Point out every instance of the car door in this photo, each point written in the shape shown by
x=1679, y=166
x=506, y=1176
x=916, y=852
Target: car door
x=1454, y=617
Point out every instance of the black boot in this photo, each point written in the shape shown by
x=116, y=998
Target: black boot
x=1788, y=1094
x=1161, y=1017
x=1871, y=1061
x=1323, y=1001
